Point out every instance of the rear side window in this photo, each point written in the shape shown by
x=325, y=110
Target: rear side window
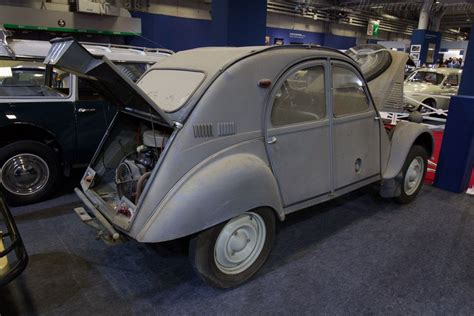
x=301, y=98
x=170, y=89
x=349, y=95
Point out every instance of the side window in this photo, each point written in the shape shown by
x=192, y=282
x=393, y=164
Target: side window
x=452, y=80
x=301, y=98
x=86, y=91
x=30, y=78
x=349, y=96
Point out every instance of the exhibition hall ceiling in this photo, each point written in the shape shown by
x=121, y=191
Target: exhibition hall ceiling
x=456, y=16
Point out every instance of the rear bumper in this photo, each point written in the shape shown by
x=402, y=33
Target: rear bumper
x=94, y=218
x=13, y=255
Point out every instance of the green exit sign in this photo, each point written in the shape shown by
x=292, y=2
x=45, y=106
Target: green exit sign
x=373, y=27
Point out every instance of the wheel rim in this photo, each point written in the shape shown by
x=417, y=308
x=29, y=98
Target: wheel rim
x=24, y=174
x=414, y=175
x=424, y=109
x=240, y=243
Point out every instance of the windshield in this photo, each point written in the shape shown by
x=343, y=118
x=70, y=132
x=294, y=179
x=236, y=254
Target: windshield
x=28, y=79
x=170, y=89
x=427, y=77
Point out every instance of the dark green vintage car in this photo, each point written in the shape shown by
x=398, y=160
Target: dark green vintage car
x=52, y=121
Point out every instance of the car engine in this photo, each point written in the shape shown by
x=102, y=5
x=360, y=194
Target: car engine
x=135, y=168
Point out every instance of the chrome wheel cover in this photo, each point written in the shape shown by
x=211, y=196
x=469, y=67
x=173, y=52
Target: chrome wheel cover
x=240, y=243
x=414, y=175
x=24, y=174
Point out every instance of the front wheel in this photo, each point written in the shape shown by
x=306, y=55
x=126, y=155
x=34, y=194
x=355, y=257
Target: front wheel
x=414, y=171
x=229, y=254
x=29, y=171
x=422, y=109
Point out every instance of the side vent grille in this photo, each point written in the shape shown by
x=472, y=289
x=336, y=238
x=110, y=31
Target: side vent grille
x=203, y=130
x=395, y=99
x=226, y=128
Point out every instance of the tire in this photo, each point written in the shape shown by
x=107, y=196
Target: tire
x=409, y=192
x=429, y=102
x=208, y=259
x=41, y=171
x=371, y=65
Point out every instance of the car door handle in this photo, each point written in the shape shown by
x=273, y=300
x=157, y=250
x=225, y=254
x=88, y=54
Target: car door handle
x=272, y=140
x=86, y=110
x=377, y=118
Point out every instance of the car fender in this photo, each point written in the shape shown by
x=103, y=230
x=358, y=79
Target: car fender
x=404, y=136
x=219, y=188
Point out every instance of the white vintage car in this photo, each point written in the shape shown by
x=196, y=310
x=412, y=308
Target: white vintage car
x=431, y=86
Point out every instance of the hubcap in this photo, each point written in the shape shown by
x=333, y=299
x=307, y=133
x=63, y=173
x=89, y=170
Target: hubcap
x=24, y=174
x=414, y=175
x=240, y=243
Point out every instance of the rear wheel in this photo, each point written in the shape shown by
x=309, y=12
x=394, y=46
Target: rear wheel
x=229, y=254
x=414, y=171
x=29, y=171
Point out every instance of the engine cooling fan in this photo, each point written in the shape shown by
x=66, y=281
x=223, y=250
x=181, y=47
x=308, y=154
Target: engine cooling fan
x=126, y=178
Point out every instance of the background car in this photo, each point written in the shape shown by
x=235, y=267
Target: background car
x=431, y=86
x=51, y=120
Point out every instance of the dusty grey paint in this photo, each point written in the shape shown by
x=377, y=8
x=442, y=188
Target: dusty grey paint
x=203, y=181
x=309, y=139
x=403, y=138
x=356, y=138
x=224, y=185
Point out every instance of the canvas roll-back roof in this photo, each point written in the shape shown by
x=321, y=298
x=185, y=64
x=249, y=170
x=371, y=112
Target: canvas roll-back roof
x=67, y=54
x=211, y=60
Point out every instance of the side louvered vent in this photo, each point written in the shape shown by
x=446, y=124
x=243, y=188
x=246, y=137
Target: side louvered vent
x=395, y=99
x=203, y=130
x=226, y=128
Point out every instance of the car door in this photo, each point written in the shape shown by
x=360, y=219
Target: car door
x=93, y=115
x=298, y=133
x=356, y=129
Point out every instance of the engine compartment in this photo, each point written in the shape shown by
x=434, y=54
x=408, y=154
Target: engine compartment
x=125, y=161
x=135, y=169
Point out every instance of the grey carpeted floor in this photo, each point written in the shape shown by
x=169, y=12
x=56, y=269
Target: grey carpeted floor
x=359, y=254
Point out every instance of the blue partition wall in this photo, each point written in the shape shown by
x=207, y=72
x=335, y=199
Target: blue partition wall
x=425, y=38
x=172, y=32
x=178, y=33
x=293, y=36
x=456, y=159
x=302, y=37
x=339, y=42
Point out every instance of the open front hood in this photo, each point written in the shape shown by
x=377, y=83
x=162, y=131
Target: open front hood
x=68, y=55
